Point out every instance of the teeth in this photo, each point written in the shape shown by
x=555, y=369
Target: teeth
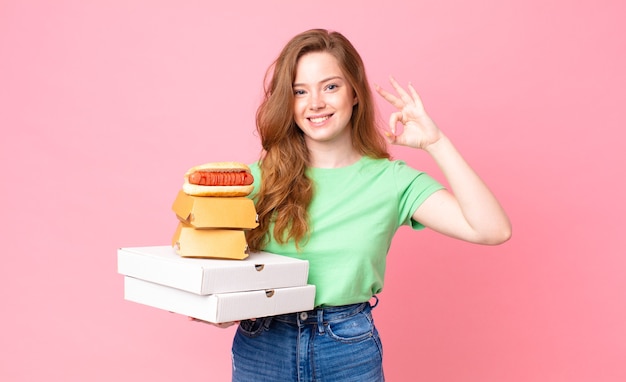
x=319, y=119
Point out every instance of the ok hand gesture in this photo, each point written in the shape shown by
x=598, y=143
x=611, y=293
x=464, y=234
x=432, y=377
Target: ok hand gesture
x=419, y=131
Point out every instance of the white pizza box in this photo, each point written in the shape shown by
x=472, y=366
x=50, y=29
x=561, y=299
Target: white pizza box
x=203, y=276
x=220, y=307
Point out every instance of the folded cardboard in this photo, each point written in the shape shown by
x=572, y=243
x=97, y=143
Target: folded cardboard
x=261, y=270
x=221, y=307
x=210, y=243
x=215, y=212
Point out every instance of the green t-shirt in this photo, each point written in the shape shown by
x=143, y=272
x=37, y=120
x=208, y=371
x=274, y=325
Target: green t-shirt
x=354, y=214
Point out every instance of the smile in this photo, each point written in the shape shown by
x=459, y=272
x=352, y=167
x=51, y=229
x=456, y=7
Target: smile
x=319, y=119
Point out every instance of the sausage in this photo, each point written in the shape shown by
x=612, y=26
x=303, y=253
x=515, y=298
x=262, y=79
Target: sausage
x=220, y=178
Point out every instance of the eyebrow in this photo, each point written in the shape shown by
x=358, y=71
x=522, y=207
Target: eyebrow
x=324, y=80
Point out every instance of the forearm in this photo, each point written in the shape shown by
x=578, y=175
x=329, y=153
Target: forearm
x=470, y=211
x=479, y=207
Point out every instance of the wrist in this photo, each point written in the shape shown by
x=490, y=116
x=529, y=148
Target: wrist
x=438, y=145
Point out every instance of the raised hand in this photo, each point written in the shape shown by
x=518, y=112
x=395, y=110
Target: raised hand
x=419, y=131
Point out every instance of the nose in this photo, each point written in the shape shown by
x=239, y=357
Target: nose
x=317, y=101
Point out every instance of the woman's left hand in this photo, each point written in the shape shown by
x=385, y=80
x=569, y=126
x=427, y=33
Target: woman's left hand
x=470, y=212
x=419, y=131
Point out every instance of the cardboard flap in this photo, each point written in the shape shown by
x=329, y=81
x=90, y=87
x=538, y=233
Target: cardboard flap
x=182, y=206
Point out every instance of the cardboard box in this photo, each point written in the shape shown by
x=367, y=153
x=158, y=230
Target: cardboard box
x=210, y=243
x=261, y=270
x=215, y=212
x=221, y=307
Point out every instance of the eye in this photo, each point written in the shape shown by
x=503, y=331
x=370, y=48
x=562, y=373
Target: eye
x=298, y=92
x=332, y=87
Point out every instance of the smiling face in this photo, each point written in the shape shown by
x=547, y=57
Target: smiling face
x=323, y=100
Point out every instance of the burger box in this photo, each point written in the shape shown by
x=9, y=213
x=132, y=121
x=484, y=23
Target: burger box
x=261, y=270
x=220, y=307
x=237, y=212
x=210, y=243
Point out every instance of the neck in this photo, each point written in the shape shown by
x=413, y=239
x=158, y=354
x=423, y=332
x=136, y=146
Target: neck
x=333, y=158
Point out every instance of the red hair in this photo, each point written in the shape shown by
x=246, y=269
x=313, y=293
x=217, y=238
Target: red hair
x=286, y=191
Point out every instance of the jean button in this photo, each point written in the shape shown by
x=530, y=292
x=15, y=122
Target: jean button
x=304, y=316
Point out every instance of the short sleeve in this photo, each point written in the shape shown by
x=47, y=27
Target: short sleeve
x=414, y=187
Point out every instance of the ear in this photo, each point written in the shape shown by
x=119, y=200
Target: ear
x=356, y=101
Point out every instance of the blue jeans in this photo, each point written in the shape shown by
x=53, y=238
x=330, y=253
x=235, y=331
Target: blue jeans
x=323, y=345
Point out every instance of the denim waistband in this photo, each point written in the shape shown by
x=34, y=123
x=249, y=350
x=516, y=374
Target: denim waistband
x=324, y=314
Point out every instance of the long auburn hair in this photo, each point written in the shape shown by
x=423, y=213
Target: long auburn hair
x=286, y=192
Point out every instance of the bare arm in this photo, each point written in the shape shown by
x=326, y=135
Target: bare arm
x=470, y=211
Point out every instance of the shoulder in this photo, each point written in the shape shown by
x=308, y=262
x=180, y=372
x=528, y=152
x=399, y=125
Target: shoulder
x=401, y=176
x=389, y=167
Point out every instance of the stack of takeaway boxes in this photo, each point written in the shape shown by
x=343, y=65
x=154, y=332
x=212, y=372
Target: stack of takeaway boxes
x=207, y=272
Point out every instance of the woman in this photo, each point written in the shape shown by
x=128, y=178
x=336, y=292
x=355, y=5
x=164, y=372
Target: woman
x=326, y=191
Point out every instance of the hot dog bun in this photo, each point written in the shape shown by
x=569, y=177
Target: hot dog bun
x=217, y=190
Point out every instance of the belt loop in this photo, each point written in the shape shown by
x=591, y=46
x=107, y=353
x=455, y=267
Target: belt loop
x=376, y=303
x=320, y=320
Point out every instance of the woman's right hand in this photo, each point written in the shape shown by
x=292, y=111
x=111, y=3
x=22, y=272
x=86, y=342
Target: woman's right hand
x=221, y=325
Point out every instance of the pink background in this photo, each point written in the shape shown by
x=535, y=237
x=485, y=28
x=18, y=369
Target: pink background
x=105, y=104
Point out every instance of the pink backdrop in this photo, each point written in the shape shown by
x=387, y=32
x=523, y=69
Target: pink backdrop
x=105, y=104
